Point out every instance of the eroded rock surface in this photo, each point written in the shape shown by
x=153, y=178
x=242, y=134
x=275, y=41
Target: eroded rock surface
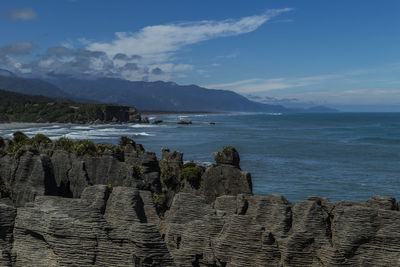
x=55, y=231
x=127, y=208
x=270, y=231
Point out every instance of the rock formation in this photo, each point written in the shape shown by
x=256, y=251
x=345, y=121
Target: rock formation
x=185, y=122
x=121, y=206
x=15, y=107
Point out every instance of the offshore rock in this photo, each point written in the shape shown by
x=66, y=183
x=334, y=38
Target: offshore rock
x=185, y=122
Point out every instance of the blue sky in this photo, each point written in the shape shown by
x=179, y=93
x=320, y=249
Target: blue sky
x=337, y=53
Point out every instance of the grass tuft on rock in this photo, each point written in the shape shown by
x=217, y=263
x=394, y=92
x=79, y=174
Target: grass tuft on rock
x=192, y=173
x=65, y=144
x=167, y=176
x=20, y=137
x=85, y=148
x=40, y=140
x=124, y=141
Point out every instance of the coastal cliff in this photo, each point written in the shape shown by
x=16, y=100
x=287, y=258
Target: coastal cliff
x=66, y=203
x=15, y=107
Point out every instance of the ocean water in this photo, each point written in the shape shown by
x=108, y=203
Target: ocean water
x=341, y=156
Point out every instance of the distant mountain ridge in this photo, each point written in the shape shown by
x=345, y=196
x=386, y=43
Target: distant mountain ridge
x=159, y=95
x=13, y=83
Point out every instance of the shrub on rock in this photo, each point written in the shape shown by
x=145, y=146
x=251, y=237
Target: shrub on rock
x=19, y=137
x=85, y=148
x=123, y=141
x=40, y=139
x=65, y=144
x=192, y=173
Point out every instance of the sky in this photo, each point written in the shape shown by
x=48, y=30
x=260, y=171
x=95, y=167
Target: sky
x=340, y=53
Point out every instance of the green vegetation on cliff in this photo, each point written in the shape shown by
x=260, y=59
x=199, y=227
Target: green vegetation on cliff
x=192, y=173
x=15, y=107
x=20, y=143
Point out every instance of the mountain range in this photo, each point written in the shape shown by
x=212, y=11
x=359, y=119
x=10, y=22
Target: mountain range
x=146, y=96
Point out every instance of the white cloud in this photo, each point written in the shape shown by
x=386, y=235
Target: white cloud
x=17, y=49
x=260, y=85
x=148, y=54
x=363, y=96
x=20, y=14
x=229, y=56
x=158, y=44
x=320, y=89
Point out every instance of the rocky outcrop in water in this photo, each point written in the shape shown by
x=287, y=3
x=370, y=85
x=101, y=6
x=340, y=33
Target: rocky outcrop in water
x=184, y=122
x=84, y=205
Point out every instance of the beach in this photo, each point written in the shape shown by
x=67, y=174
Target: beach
x=23, y=125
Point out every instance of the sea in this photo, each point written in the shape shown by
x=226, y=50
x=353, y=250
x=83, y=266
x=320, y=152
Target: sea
x=341, y=156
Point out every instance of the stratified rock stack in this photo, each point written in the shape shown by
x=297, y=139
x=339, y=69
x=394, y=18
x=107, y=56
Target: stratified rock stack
x=121, y=206
x=55, y=231
x=270, y=231
x=225, y=176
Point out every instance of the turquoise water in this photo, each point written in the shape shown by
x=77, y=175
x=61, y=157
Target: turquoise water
x=340, y=156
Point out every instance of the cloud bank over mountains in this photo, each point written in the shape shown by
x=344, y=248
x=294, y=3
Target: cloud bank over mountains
x=148, y=54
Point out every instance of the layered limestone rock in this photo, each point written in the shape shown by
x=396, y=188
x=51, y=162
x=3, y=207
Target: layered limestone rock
x=41, y=171
x=225, y=176
x=55, y=231
x=124, y=207
x=270, y=231
x=7, y=217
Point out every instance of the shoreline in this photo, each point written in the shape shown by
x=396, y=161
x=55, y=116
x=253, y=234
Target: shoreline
x=161, y=112
x=23, y=125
